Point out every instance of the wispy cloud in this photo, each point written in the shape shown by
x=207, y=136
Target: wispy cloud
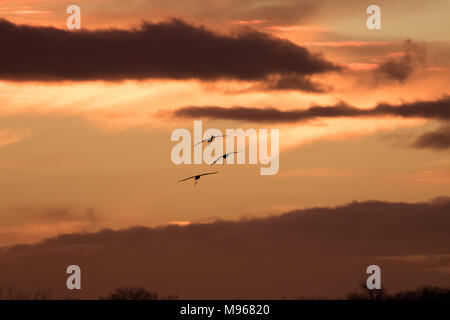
x=12, y=136
x=314, y=172
x=438, y=139
x=401, y=67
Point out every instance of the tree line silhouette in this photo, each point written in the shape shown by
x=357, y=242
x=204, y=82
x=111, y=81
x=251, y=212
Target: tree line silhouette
x=140, y=293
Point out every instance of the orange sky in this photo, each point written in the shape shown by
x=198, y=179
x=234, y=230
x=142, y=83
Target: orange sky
x=98, y=151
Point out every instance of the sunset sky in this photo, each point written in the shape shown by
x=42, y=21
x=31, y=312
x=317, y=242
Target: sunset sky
x=86, y=115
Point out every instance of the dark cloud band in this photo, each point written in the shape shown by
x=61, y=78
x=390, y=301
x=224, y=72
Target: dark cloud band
x=172, y=49
x=436, y=109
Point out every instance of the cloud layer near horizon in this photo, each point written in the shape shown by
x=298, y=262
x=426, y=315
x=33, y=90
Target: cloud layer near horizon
x=173, y=49
x=318, y=251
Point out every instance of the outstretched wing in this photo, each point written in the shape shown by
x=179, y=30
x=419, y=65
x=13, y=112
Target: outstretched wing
x=217, y=160
x=186, y=179
x=232, y=152
x=205, y=174
x=199, y=142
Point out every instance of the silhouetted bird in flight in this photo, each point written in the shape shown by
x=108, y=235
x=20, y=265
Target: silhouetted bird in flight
x=224, y=156
x=210, y=139
x=197, y=177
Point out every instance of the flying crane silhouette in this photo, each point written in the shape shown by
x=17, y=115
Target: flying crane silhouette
x=210, y=139
x=197, y=177
x=224, y=156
